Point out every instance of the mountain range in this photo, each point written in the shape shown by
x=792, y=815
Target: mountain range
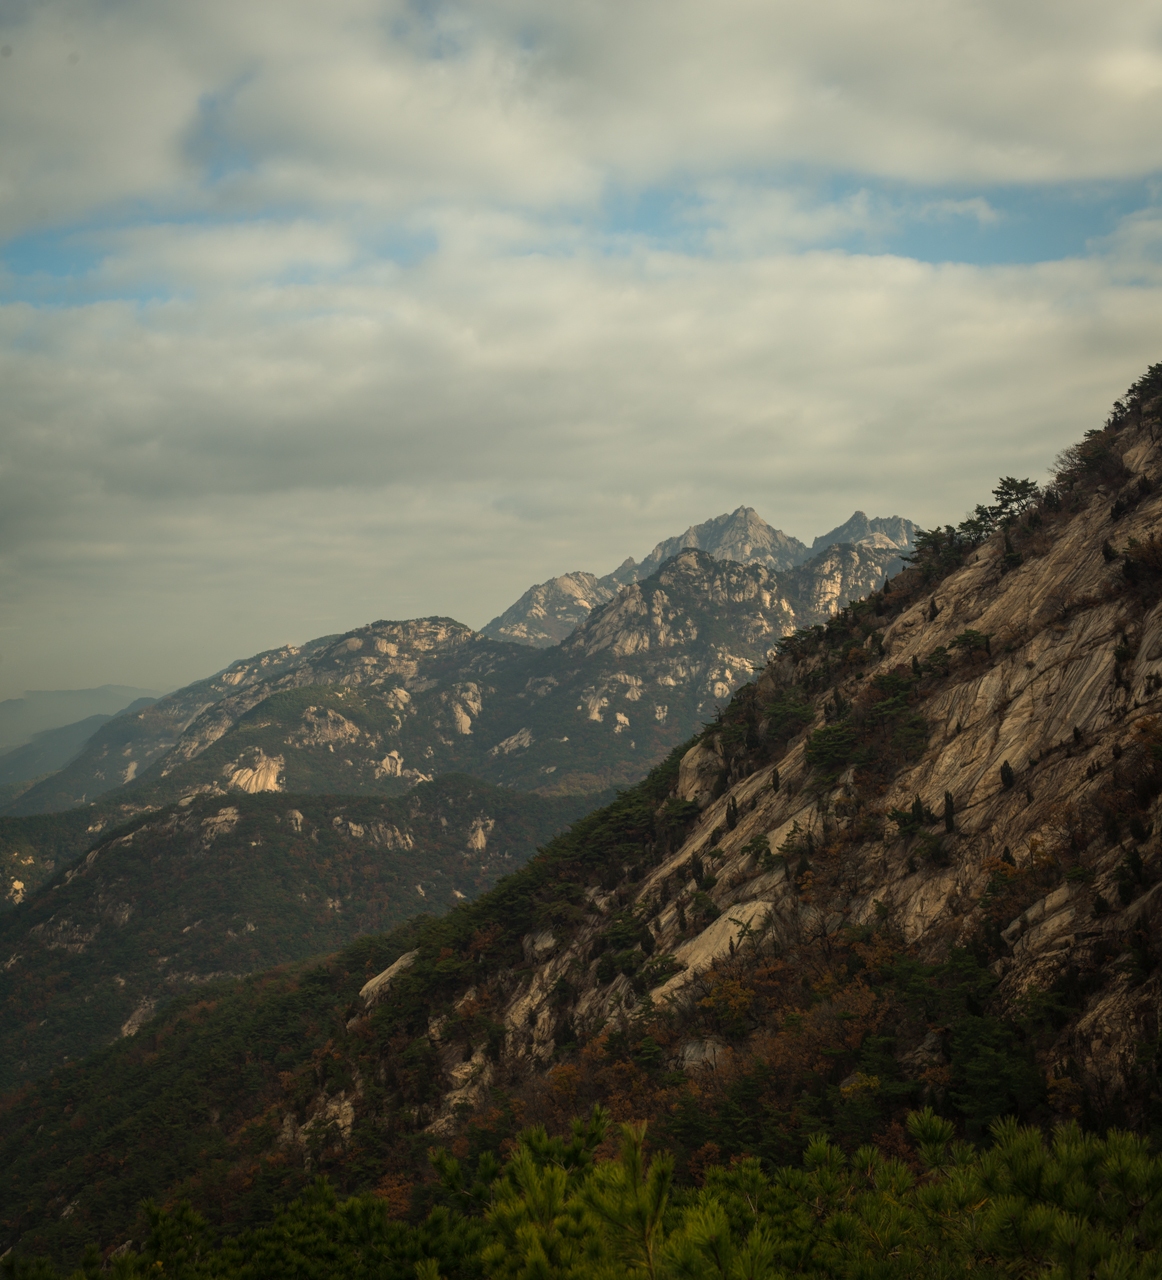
x=395, y=703
x=552, y=610
x=913, y=863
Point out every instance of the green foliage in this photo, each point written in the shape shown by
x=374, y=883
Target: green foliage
x=186, y=894
x=832, y=748
x=32, y=848
x=759, y=848
x=910, y=821
x=937, y=662
x=1067, y=1206
x=787, y=714
x=971, y=640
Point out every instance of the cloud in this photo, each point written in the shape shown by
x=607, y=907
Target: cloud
x=805, y=384
x=318, y=313
x=382, y=104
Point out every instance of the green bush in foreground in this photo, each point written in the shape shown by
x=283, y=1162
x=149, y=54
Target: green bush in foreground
x=1063, y=1208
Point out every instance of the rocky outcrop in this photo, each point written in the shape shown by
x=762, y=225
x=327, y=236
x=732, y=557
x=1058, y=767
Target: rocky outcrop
x=261, y=774
x=373, y=991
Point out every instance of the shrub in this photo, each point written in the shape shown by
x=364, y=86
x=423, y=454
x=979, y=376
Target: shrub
x=832, y=748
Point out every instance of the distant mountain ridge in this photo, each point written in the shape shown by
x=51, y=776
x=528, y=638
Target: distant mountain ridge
x=880, y=531
x=544, y=616
x=550, y=611
x=386, y=706
x=51, y=749
x=42, y=709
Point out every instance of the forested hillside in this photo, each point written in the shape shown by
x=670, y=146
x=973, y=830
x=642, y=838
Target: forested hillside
x=171, y=901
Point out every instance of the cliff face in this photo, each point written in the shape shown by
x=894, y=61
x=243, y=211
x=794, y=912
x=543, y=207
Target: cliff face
x=1023, y=690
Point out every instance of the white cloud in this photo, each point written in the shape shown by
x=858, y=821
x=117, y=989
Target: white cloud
x=384, y=105
x=362, y=336
x=434, y=438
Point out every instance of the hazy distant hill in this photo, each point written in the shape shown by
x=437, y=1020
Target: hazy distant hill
x=39, y=710
x=51, y=749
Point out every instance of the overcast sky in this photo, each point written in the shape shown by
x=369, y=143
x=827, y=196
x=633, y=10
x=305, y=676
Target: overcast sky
x=317, y=313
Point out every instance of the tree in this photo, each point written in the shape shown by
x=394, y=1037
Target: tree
x=1013, y=497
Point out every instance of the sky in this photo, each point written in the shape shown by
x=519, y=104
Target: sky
x=315, y=314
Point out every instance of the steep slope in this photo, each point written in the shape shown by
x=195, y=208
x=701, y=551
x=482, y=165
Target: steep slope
x=205, y=890
x=549, y=611
x=32, y=848
x=1019, y=697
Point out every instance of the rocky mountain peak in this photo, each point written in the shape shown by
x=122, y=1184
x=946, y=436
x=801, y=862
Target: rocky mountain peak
x=891, y=531
x=550, y=611
x=741, y=535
